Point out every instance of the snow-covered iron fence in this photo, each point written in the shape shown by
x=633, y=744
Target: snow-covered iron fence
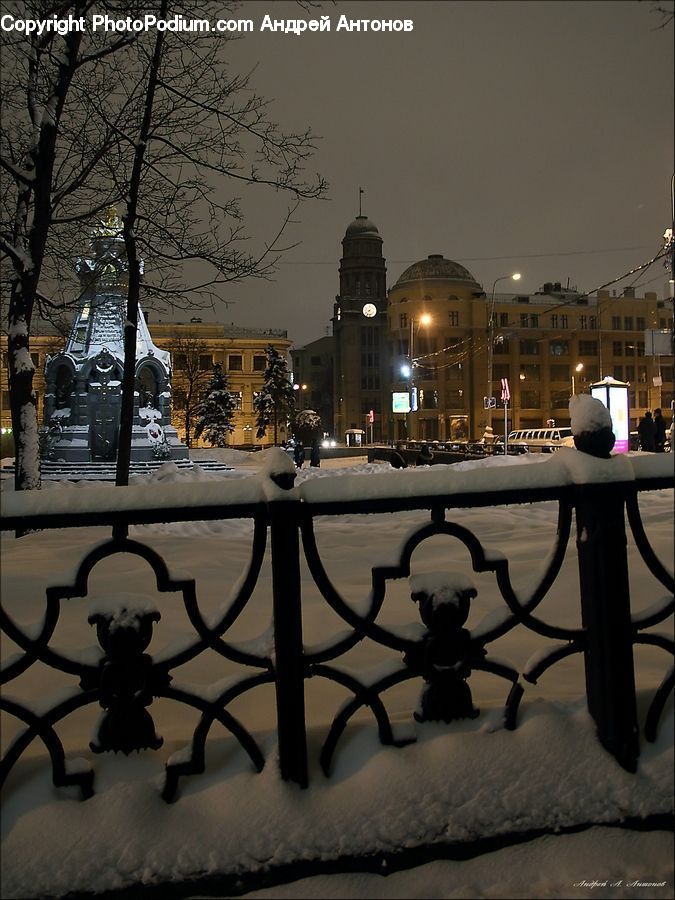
x=600, y=495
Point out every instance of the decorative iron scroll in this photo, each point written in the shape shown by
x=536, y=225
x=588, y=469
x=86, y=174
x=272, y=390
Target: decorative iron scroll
x=447, y=653
x=126, y=679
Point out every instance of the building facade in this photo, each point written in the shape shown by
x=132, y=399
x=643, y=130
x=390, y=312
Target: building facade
x=195, y=347
x=440, y=338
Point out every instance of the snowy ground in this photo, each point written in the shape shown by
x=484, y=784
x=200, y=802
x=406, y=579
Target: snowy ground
x=460, y=782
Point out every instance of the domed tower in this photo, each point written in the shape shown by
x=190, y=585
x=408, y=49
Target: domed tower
x=435, y=309
x=359, y=330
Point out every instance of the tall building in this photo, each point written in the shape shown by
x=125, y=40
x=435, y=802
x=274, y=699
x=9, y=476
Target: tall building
x=438, y=336
x=361, y=391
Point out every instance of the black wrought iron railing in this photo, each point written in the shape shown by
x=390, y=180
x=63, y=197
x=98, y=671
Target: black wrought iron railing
x=599, y=497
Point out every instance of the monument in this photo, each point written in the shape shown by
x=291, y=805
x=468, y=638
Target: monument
x=83, y=395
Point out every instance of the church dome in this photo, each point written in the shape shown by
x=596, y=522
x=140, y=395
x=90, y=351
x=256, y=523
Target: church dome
x=436, y=266
x=362, y=227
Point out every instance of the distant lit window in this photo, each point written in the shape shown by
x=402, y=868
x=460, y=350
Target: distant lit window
x=235, y=362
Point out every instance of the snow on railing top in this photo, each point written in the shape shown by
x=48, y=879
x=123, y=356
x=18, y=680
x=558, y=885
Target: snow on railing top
x=565, y=467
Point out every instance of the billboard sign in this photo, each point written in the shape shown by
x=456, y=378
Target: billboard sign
x=400, y=402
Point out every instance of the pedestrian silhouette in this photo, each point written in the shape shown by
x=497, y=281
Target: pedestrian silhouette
x=647, y=432
x=659, y=431
x=299, y=454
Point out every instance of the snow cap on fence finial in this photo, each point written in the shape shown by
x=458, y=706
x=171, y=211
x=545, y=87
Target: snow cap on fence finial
x=591, y=426
x=277, y=466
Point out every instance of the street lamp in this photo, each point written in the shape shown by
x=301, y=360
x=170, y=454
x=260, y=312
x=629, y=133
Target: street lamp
x=408, y=371
x=491, y=338
x=301, y=388
x=578, y=368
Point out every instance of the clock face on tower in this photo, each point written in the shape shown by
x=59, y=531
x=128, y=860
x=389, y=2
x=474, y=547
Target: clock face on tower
x=369, y=310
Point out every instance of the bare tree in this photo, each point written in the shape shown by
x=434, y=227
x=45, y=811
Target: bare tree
x=191, y=371
x=52, y=163
x=156, y=123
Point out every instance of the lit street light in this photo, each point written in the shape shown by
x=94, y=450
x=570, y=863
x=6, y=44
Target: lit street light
x=408, y=371
x=578, y=368
x=491, y=338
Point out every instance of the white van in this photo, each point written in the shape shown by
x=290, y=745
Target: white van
x=541, y=440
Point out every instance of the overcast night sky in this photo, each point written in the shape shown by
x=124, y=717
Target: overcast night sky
x=529, y=136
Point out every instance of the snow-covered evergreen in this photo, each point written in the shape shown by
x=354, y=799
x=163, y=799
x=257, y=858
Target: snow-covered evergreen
x=307, y=425
x=276, y=402
x=215, y=413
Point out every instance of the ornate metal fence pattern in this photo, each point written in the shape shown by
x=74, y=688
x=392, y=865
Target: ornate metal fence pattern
x=124, y=680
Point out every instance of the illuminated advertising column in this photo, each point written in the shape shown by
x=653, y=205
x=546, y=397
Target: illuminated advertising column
x=614, y=395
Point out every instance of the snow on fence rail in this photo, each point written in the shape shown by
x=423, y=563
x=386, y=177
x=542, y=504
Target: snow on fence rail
x=600, y=495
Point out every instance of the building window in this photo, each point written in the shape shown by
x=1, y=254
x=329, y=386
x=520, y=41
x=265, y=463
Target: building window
x=259, y=363
x=501, y=370
x=630, y=373
x=315, y=361
x=428, y=399
x=534, y=320
x=403, y=320
x=453, y=317
x=629, y=349
x=503, y=320
x=559, y=348
x=523, y=320
x=616, y=323
x=583, y=322
x=529, y=398
x=617, y=348
x=237, y=396
x=642, y=399
x=235, y=362
x=593, y=322
x=529, y=348
x=560, y=373
x=640, y=323
x=455, y=399
x=618, y=373
x=179, y=399
x=205, y=362
x=554, y=321
x=642, y=374
x=628, y=323
x=501, y=346
x=588, y=348
x=563, y=321
x=640, y=346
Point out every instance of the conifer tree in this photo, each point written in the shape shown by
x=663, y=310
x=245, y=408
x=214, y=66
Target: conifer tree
x=275, y=403
x=216, y=411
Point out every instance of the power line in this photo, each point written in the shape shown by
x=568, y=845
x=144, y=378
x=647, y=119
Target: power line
x=321, y=262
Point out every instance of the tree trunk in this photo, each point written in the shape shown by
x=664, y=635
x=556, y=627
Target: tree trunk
x=129, y=220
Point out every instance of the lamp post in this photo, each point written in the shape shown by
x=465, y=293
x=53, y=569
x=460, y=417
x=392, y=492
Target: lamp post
x=424, y=319
x=491, y=338
x=578, y=368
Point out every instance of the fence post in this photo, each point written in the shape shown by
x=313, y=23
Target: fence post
x=288, y=662
x=605, y=615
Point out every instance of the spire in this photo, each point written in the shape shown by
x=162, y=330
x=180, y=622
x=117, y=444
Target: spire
x=361, y=191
